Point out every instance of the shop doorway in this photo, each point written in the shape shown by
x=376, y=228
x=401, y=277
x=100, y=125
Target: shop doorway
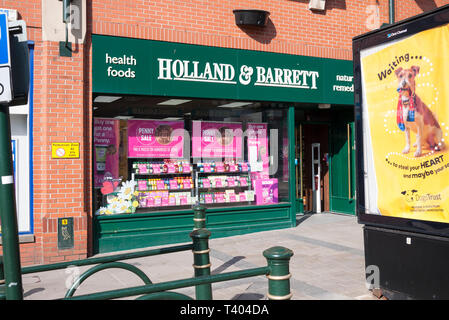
x=313, y=170
x=342, y=167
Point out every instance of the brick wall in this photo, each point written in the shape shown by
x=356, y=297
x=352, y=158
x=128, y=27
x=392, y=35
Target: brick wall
x=292, y=28
x=62, y=96
x=60, y=114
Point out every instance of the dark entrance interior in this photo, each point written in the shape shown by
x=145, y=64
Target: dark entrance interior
x=317, y=135
x=333, y=131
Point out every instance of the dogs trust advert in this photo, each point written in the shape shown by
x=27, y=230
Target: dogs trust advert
x=405, y=89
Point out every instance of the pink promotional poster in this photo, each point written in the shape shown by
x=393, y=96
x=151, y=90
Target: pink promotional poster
x=258, y=149
x=266, y=191
x=106, y=144
x=216, y=139
x=155, y=139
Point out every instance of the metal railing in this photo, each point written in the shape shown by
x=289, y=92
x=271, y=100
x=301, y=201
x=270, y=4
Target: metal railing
x=276, y=270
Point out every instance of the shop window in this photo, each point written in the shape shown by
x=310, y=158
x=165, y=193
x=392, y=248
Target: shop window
x=155, y=153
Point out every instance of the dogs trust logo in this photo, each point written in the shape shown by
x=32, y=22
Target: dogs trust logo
x=414, y=196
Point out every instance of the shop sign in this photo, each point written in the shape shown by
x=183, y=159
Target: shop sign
x=216, y=139
x=107, y=151
x=155, y=139
x=135, y=66
x=68, y=150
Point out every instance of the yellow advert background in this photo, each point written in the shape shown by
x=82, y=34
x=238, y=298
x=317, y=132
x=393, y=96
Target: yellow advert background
x=409, y=186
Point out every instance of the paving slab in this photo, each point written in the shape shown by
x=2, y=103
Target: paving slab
x=328, y=264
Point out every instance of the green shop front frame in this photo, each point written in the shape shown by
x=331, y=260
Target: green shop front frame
x=125, y=66
x=122, y=232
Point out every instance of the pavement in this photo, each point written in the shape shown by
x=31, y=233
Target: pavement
x=328, y=264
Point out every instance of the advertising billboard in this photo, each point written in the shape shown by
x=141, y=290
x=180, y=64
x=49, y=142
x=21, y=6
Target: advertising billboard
x=402, y=124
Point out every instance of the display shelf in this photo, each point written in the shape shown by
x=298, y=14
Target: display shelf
x=189, y=189
x=224, y=172
x=211, y=187
x=160, y=174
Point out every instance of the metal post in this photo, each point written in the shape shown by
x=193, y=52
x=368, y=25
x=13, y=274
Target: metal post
x=391, y=11
x=278, y=259
x=2, y=273
x=199, y=217
x=10, y=238
x=201, y=262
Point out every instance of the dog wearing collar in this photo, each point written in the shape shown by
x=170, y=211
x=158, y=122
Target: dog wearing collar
x=413, y=114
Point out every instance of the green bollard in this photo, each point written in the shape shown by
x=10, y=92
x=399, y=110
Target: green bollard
x=201, y=262
x=278, y=259
x=8, y=217
x=199, y=217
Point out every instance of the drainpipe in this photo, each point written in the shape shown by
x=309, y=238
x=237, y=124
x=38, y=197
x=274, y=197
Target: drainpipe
x=391, y=11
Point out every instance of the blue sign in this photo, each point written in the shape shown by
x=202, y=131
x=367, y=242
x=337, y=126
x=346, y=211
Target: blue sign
x=4, y=40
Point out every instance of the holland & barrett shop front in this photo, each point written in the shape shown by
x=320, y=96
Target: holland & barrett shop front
x=177, y=124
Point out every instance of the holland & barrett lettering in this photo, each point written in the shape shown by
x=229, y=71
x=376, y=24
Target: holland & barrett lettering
x=170, y=69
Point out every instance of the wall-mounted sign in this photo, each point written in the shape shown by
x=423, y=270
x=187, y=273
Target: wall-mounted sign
x=64, y=150
x=5, y=62
x=65, y=233
x=136, y=66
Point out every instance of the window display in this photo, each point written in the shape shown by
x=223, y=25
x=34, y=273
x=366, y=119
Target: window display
x=170, y=158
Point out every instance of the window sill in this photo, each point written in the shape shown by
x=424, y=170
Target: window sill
x=23, y=238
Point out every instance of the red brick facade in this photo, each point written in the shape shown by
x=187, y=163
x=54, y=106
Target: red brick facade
x=62, y=94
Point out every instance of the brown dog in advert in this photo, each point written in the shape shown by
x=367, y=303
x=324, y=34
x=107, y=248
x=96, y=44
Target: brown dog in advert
x=413, y=114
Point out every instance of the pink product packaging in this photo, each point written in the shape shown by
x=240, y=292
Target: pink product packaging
x=156, y=168
x=171, y=168
x=206, y=183
x=208, y=198
x=220, y=167
x=160, y=185
x=150, y=201
x=142, y=185
x=219, y=198
x=173, y=185
x=143, y=168
x=266, y=191
x=186, y=167
x=187, y=184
